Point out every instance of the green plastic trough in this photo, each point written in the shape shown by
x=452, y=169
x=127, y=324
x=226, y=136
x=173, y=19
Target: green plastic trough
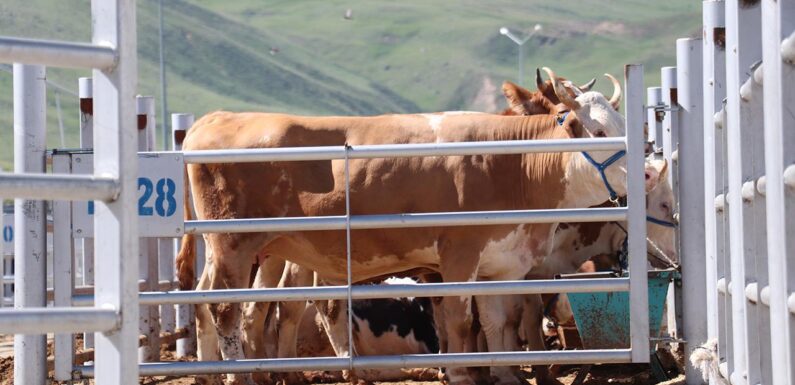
x=603, y=318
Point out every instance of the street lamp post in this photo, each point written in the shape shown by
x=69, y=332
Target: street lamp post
x=520, y=42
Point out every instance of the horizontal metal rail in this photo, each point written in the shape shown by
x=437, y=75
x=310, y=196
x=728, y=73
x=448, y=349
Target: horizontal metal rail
x=386, y=291
x=404, y=150
x=393, y=221
x=57, y=320
x=61, y=187
x=559, y=357
x=56, y=53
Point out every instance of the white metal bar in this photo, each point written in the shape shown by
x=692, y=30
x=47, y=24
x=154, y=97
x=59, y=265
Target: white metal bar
x=670, y=124
x=166, y=273
x=560, y=357
x=388, y=291
x=180, y=123
x=58, y=186
x=654, y=98
x=404, y=150
x=393, y=221
x=714, y=91
x=742, y=26
x=30, y=321
x=691, y=197
x=30, y=246
x=63, y=273
x=779, y=97
x=116, y=223
x=149, y=322
x=56, y=53
x=86, y=94
x=636, y=214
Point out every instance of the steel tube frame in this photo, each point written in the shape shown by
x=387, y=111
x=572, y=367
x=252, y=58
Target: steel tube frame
x=371, y=362
x=57, y=320
x=86, y=94
x=654, y=99
x=714, y=74
x=691, y=198
x=58, y=186
x=742, y=26
x=56, y=53
x=403, y=150
x=779, y=95
x=63, y=273
x=393, y=221
x=180, y=123
x=30, y=248
x=386, y=291
x=116, y=223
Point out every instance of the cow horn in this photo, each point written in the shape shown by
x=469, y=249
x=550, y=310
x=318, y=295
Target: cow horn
x=561, y=91
x=615, y=100
x=587, y=86
x=539, y=81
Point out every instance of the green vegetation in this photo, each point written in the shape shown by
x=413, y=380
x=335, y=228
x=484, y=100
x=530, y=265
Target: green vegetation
x=305, y=57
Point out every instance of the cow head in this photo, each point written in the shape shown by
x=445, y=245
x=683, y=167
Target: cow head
x=522, y=101
x=598, y=118
x=660, y=214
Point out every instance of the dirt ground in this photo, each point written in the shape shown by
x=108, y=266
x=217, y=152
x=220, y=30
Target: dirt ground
x=599, y=374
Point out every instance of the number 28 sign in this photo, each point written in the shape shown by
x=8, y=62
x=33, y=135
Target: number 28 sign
x=160, y=191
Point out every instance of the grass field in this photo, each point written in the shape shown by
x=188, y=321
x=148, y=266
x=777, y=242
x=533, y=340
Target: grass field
x=305, y=57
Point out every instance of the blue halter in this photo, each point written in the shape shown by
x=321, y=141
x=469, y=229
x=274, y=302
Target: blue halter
x=599, y=166
x=660, y=222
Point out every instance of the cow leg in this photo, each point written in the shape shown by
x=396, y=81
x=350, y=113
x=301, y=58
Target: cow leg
x=533, y=318
x=334, y=317
x=206, y=336
x=459, y=264
x=290, y=314
x=230, y=270
x=255, y=336
x=498, y=317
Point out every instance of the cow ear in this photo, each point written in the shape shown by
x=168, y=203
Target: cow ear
x=656, y=170
x=516, y=97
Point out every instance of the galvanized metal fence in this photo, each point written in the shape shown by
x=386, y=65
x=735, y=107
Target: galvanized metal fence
x=115, y=315
x=749, y=190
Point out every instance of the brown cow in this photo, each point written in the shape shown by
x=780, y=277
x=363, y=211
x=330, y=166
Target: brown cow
x=397, y=185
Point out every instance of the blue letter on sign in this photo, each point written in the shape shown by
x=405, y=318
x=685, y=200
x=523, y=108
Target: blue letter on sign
x=143, y=209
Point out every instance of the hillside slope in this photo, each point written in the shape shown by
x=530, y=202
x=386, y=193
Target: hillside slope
x=305, y=57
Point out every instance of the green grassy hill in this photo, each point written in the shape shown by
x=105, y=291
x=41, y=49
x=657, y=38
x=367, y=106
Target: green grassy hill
x=305, y=57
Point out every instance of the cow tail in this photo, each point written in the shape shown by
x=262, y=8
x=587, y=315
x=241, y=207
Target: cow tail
x=186, y=259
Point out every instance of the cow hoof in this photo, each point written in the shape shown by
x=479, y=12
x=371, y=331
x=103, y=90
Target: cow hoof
x=241, y=379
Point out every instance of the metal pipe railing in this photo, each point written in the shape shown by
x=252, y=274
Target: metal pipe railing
x=606, y=356
x=393, y=221
x=58, y=186
x=56, y=53
x=403, y=150
x=386, y=291
x=57, y=320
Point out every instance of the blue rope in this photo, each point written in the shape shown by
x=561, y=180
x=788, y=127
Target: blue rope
x=660, y=222
x=599, y=166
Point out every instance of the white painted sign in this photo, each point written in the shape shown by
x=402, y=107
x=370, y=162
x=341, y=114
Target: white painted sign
x=160, y=194
x=7, y=225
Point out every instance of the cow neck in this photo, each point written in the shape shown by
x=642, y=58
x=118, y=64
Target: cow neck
x=540, y=175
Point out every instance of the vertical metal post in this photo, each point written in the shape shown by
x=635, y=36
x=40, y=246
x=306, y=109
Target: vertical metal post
x=163, y=93
x=691, y=197
x=63, y=272
x=116, y=225
x=86, y=95
x=30, y=246
x=165, y=255
x=743, y=43
x=148, y=260
x=180, y=123
x=714, y=92
x=779, y=96
x=636, y=216
x=670, y=123
x=654, y=98
x=2, y=255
